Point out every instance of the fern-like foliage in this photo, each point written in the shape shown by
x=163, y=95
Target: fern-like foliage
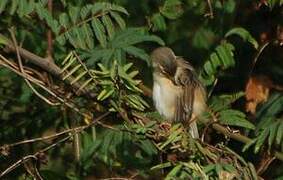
x=170, y=9
x=82, y=25
x=270, y=127
x=212, y=165
x=273, y=3
x=221, y=111
x=113, y=147
x=116, y=83
x=123, y=42
x=223, y=55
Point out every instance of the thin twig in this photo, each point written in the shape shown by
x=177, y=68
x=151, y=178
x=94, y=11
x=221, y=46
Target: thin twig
x=81, y=23
x=23, y=71
x=35, y=81
x=83, y=64
x=264, y=163
x=16, y=164
x=53, y=136
x=34, y=156
x=48, y=66
x=210, y=14
x=257, y=55
x=212, y=88
x=49, y=34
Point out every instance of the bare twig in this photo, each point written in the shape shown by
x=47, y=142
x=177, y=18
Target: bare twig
x=257, y=55
x=37, y=82
x=49, y=35
x=35, y=155
x=264, y=164
x=81, y=23
x=24, y=74
x=18, y=163
x=43, y=63
x=53, y=136
x=210, y=14
x=56, y=71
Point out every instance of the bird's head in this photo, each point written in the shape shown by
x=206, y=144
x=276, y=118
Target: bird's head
x=164, y=61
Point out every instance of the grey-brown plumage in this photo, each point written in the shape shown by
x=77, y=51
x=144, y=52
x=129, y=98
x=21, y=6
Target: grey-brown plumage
x=177, y=93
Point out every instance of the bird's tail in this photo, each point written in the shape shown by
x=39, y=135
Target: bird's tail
x=194, y=130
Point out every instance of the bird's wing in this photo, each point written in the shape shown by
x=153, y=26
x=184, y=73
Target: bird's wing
x=185, y=77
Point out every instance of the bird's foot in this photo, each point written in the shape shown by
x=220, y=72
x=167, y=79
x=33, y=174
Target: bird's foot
x=165, y=126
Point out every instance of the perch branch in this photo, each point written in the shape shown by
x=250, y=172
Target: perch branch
x=55, y=70
x=43, y=63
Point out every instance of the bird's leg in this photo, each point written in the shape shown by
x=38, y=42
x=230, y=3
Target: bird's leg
x=193, y=118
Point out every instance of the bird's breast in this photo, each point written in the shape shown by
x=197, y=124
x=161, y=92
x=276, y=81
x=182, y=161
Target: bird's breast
x=164, y=96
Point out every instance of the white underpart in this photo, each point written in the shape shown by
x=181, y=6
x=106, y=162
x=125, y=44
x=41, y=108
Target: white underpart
x=164, y=96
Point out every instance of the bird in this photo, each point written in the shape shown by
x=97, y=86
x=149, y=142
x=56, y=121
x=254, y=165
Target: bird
x=178, y=94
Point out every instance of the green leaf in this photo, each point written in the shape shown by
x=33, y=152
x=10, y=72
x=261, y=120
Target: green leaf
x=85, y=11
x=88, y=35
x=279, y=135
x=230, y=168
x=3, y=4
x=229, y=6
x=118, y=19
x=208, y=67
x=261, y=139
x=78, y=35
x=3, y=40
x=221, y=52
x=133, y=36
x=118, y=8
x=234, y=118
x=99, y=31
x=172, y=9
x=223, y=57
x=249, y=144
x=158, y=22
x=127, y=66
x=21, y=8
x=108, y=25
x=174, y=172
x=244, y=34
x=273, y=3
x=14, y=6
x=253, y=171
x=64, y=20
x=113, y=70
x=272, y=107
x=137, y=52
x=273, y=131
x=133, y=74
x=161, y=166
x=148, y=147
x=105, y=6
x=209, y=168
x=74, y=13
x=26, y=94
x=203, y=38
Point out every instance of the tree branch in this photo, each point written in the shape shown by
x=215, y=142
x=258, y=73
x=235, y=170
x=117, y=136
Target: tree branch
x=56, y=71
x=43, y=63
x=49, y=35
